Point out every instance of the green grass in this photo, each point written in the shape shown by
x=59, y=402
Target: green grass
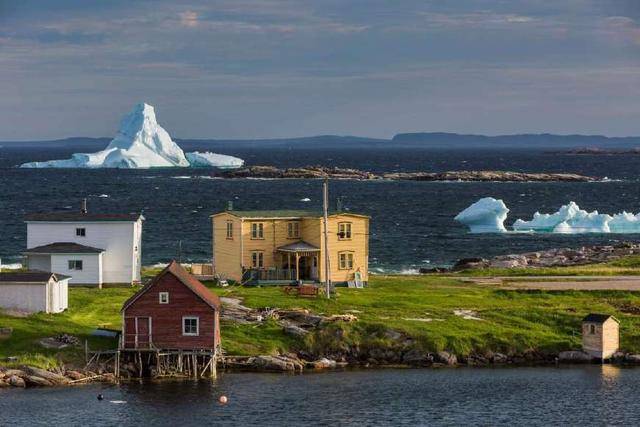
x=513, y=320
x=628, y=266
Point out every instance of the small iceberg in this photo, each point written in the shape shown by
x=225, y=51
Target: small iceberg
x=305, y=199
x=569, y=219
x=141, y=143
x=213, y=160
x=487, y=215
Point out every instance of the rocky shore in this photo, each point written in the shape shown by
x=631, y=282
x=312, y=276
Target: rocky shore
x=29, y=376
x=315, y=172
x=562, y=257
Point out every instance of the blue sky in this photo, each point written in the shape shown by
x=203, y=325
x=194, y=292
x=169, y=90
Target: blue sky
x=278, y=68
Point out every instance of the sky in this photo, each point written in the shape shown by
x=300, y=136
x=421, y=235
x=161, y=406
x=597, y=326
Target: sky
x=286, y=68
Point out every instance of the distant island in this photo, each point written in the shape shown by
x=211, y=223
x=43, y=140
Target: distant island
x=601, y=151
x=311, y=172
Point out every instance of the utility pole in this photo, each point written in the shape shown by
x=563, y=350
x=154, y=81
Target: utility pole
x=327, y=264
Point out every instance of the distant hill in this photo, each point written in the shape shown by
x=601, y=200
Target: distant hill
x=542, y=141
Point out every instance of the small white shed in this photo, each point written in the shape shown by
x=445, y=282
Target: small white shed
x=34, y=291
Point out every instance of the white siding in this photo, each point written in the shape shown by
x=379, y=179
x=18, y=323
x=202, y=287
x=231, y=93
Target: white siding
x=26, y=297
x=58, y=296
x=39, y=262
x=90, y=273
x=118, y=239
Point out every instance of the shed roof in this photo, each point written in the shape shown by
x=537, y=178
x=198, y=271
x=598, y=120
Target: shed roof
x=83, y=217
x=598, y=318
x=175, y=269
x=64, y=248
x=29, y=276
x=259, y=214
x=300, y=246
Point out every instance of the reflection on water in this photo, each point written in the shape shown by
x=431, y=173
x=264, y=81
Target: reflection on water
x=582, y=395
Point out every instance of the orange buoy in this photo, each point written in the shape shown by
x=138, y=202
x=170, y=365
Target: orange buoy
x=223, y=400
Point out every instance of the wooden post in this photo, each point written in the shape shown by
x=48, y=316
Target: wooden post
x=86, y=351
x=325, y=209
x=195, y=365
x=289, y=265
x=297, y=267
x=117, y=365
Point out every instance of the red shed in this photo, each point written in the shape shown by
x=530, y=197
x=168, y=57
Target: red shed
x=172, y=312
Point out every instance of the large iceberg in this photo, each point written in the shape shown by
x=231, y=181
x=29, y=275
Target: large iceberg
x=487, y=215
x=569, y=219
x=140, y=143
x=208, y=159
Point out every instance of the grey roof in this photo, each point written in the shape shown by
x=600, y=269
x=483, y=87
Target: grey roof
x=300, y=246
x=82, y=217
x=285, y=213
x=29, y=276
x=598, y=318
x=64, y=248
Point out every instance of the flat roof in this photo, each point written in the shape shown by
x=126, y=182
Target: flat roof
x=82, y=217
x=64, y=248
x=29, y=276
x=259, y=214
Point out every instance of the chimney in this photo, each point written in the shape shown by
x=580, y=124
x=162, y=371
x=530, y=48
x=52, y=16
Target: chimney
x=339, y=204
x=229, y=205
x=83, y=209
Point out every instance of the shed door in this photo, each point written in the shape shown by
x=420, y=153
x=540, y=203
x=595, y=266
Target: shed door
x=130, y=332
x=143, y=331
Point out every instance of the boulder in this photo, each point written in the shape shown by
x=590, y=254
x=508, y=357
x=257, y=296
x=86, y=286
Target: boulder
x=4, y=384
x=301, y=317
x=16, y=372
x=469, y=264
x=415, y=357
x=499, y=358
x=16, y=381
x=446, y=358
x=274, y=363
x=74, y=375
x=34, y=380
x=324, y=363
x=574, y=356
x=294, y=330
x=47, y=375
x=632, y=358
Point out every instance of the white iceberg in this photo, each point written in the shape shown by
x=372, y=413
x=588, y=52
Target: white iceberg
x=625, y=222
x=569, y=219
x=487, y=215
x=208, y=160
x=141, y=143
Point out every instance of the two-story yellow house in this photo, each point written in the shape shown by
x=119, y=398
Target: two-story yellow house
x=285, y=246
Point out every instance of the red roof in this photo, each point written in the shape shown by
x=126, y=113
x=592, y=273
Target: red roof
x=174, y=268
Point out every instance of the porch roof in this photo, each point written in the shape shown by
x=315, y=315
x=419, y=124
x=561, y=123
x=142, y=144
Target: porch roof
x=298, y=247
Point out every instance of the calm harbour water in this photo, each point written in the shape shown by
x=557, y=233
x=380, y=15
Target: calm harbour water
x=412, y=222
x=587, y=395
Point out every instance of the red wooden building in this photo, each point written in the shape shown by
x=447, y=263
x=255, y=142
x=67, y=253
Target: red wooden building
x=172, y=312
x=171, y=327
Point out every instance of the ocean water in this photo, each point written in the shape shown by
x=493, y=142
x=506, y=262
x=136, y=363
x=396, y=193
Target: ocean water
x=412, y=222
x=586, y=396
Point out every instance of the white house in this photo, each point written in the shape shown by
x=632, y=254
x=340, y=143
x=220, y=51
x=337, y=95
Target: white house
x=34, y=291
x=92, y=248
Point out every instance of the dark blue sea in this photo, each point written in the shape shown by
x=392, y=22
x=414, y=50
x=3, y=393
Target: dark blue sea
x=412, y=222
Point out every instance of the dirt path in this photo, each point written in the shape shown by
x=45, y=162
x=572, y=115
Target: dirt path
x=561, y=283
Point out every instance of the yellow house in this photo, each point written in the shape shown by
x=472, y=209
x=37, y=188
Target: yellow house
x=284, y=246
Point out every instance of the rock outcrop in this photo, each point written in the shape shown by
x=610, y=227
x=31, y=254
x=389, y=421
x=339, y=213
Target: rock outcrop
x=311, y=172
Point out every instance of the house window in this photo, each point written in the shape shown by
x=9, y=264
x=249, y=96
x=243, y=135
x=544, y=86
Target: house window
x=164, y=297
x=75, y=264
x=257, y=259
x=190, y=326
x=81, y=232
x=346, y=260
x=293, y=230
x=344, y=230
x=592, y=329
x=229, y=229
x=257, y=230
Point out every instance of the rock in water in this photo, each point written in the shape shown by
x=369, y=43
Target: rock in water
x=487, y=215
x=141, y=143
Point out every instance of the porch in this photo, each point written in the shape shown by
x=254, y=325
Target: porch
x=295, y=263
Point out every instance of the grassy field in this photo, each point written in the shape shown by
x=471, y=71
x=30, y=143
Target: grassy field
x=629, y=266
x=512, y=320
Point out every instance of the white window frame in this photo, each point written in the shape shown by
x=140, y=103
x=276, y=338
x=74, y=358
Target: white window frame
x=191, y=334
x=344, y=230
x=81, y=232
x=293, y=229
x=257, y=230
x=72, y=264
x=348, y=260
x=163, y=297
x=257, y=259
x=230, y=230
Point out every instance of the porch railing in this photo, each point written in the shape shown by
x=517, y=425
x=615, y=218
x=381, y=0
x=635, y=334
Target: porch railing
x=265, y=274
